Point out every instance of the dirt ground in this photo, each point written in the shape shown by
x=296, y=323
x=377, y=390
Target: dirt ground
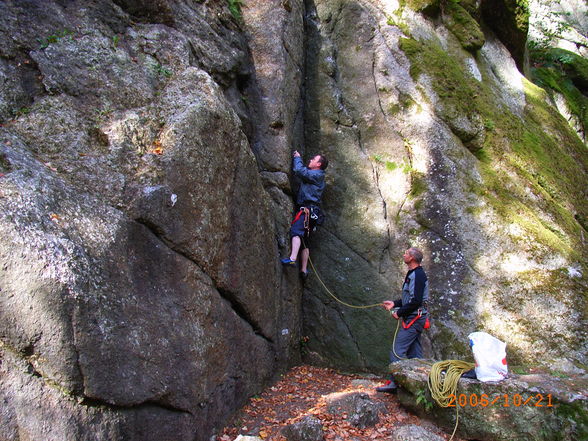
x=302, y=391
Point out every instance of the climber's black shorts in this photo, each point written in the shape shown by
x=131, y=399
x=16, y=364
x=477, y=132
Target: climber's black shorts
x=297, y=229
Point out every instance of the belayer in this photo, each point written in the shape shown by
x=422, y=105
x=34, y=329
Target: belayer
x=412, y=311
x=308, y=215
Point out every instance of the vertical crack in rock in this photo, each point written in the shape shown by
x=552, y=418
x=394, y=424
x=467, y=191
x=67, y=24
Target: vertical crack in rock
x=348, y=246
x=386, y=248
x=409, y=156
x=376, y=91
x=351, y=337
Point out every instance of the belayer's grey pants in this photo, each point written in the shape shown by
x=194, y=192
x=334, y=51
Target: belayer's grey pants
x=408, y=341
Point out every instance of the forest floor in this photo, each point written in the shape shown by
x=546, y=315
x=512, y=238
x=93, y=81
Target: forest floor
x=302, y=391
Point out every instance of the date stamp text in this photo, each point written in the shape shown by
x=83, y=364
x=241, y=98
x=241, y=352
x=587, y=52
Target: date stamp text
x=503, y=400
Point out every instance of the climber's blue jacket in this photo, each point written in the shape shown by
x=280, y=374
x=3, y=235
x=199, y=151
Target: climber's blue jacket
x=311, y=186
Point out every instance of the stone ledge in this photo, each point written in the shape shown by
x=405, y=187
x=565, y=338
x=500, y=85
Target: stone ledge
x=540, y=407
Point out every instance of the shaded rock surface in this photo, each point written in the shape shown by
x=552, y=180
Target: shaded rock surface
x=521, y=407
x=135, y=223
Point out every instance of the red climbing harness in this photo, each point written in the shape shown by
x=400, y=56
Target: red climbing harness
x=306, y=212
x=418, y=316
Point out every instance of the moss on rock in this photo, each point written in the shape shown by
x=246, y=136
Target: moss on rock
x=539, y=152
x=463, y=26
x=564, y=72
x=429, y=7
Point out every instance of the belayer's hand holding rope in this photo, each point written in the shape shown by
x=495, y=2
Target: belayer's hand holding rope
x=389, y=306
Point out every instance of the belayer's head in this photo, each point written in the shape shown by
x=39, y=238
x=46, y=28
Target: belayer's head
x=319, y=161
x=413, y=257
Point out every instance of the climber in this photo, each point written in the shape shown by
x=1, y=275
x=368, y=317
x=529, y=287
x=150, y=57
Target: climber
x=308, y=202
x=412, y=311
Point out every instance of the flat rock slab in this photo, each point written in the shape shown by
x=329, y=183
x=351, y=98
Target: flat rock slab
x=521, y=407
x=362, y=411
x=412, y=432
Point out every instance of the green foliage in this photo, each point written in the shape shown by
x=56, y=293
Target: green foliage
x=564, y=72
x=235, y=8
x=115, y=41
x=21, y=111
x=430, y=7
x=103, y=113
x=391, y=165
x=575, y=419
x=162, y=70
x=390, y=21
x=54, y=38
x=421, y=398
x=519, y=370
x=418, y=184
x=559, y=374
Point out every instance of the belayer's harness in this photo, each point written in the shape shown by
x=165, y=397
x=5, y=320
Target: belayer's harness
x=418, y=316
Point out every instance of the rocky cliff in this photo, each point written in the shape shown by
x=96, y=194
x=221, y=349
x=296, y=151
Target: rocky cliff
x=438, y=140
x=142, y=296
x=145, y=197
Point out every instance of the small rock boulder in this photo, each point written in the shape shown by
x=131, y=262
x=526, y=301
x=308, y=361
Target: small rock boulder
x=307, y=429
x=504, y=410
x=412, y=432
x=361, y=410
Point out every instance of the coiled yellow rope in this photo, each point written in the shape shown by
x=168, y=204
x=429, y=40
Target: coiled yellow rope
x=444, y=386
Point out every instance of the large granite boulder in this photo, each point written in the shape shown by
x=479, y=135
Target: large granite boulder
x=530, y=406
x=142, y=296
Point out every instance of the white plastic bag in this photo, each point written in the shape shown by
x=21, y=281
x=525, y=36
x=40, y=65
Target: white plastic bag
x=490, y=356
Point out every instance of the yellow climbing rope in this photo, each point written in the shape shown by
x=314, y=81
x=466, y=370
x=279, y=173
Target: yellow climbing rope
x=443, y=386
x=333, y=295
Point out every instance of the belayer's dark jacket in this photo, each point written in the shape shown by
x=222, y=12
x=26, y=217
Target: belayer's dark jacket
x=415, y=292
x=311, y=186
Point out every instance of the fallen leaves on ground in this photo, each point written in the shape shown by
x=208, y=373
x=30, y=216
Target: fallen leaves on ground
x=302, y=392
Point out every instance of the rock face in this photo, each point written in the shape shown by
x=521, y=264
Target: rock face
x=557, y=43
x=504, y=410
x=145, y=197
x=141, y=292
x=453, y=150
